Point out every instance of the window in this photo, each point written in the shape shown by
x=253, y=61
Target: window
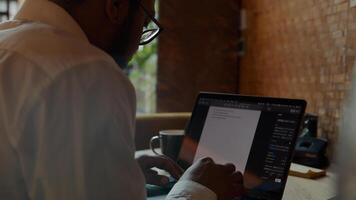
x=8, y=9
x=143, y=75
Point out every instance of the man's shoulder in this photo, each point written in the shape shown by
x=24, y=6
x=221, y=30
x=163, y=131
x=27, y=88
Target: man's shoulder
x=52, y=49
x=57, y=56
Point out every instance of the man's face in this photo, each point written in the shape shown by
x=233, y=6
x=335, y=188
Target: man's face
x=129, y=35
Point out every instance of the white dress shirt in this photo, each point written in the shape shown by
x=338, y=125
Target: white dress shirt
x=67, y=115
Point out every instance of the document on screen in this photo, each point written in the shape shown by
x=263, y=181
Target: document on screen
x=227, y=135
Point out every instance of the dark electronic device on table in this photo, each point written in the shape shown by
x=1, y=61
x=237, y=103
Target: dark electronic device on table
x=310, y=150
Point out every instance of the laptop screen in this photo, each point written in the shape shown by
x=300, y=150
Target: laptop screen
x=256, y=134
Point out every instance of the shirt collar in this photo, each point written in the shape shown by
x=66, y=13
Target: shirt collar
x=50, y=13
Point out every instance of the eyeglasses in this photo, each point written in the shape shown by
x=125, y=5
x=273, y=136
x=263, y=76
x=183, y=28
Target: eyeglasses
x=151, y=30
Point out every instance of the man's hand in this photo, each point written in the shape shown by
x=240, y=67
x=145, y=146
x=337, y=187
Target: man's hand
x=222, y=179
x=161, y=162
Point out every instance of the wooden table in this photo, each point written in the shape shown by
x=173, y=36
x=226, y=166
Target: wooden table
x=297, y=188
x=306, y=189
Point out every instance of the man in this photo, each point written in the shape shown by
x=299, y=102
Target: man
x=67, y=110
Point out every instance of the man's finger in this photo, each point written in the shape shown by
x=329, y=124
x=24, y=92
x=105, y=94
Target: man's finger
x=238, y=190
x=151, y=172
x=237, y=177
x=165, y=163
x=158, y=180
x=206, y=160
x=230, y=168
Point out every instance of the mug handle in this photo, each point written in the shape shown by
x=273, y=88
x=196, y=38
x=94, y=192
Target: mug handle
x=153, y=139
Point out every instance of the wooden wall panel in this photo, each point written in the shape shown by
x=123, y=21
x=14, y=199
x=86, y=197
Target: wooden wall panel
x=197, y=51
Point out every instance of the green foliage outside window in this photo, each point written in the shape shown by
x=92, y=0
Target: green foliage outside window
x=143, y=75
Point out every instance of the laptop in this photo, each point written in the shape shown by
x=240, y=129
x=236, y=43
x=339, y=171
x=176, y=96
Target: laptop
x=256, y=134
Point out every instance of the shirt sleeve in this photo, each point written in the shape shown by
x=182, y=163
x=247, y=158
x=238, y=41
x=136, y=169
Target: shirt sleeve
x=77, y=142
x=190, y=190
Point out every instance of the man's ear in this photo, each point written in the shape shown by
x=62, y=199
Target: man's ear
x=116, y=10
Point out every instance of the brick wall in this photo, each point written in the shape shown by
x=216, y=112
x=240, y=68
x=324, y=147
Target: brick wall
x=351, y=45
x=301, y=49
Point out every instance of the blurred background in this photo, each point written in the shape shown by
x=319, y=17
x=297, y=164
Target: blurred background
x=281, y=48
